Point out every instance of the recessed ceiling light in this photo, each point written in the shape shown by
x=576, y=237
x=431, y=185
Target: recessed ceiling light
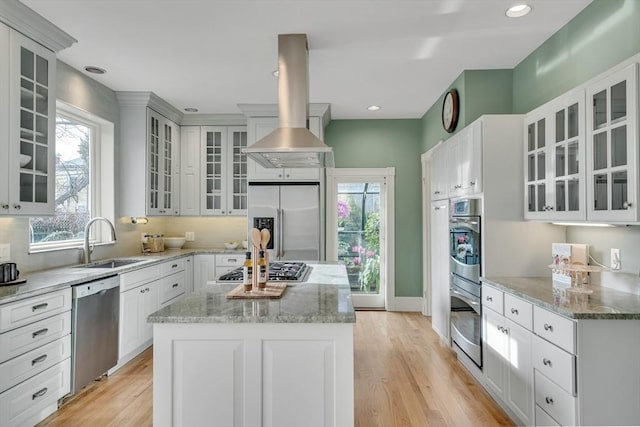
x=94, y=70
x=191, y=110
x=373, y=107
x=518, y=11
x=275, y=73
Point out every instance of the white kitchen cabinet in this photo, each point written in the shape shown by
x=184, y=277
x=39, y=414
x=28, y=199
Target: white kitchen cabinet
x=259, y=127
x=149, y=158
x=438, y=180
x=204, y=270
x=555, y=160
x=507, y=358
x=27, y=125
x=223, y=170
x=228, y=262
x=190, y=170
x=35, y=354
x=464, y=161
x=439, y=253
x=612, y=147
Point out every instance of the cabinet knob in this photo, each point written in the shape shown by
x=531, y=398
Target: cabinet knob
x=5, y=206
x=546, y=362
x=500, y=328
x=626, y=205
x=549, y=400
x=489, y=299
x=288, y=175
x=279, y=175
x=548, y=327
x=16, y=206
x=457, y=186
x=472, y=183
x=435, y=192
x=514, y=311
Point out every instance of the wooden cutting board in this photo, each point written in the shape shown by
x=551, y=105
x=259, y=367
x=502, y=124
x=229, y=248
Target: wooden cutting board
x=272, y=291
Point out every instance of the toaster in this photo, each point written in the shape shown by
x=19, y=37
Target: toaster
x=8, y=272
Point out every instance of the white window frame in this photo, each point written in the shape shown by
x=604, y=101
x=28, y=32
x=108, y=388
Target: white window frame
x=102, y=181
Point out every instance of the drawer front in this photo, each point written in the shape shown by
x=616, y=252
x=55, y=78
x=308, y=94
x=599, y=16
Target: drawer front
x=544, y=419
x=229, y=260
x=493, y=299
x=31, y=310
x=27, y=403
x=135, y=278
x=559, y=404
x=23, y=367
x=518, y=310
x=27, y=338
x=557, y=329
x=555, y=363
x=172, y=286
x=173, y=266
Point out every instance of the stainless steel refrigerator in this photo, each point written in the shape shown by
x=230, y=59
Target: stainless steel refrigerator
x=291, y=212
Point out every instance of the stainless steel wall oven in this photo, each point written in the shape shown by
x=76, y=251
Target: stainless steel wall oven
x=464, y=286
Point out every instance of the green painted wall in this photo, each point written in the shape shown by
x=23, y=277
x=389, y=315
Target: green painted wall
x=604, y=34
x=481, y=92
x=386, y=143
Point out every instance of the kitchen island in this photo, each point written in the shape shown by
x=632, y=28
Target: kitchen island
x=280, y=362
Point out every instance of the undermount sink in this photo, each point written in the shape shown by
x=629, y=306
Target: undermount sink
x=113, y=263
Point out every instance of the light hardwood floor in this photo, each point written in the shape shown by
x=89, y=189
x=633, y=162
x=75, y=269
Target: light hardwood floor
x=404, y=376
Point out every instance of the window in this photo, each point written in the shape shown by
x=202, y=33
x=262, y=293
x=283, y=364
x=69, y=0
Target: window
x=83, y=142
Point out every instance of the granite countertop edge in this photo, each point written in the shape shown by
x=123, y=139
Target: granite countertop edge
x=225, y=319
x=503, y=284
x=54, y=279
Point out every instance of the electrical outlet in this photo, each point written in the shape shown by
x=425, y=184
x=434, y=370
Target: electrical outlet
x=616, y=263
x=5, y=252
x=190, y=236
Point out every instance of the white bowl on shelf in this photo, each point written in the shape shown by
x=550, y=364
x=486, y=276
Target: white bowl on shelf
x=174, y=242
x=24, y=160
x=231, y=245
x=245, y=244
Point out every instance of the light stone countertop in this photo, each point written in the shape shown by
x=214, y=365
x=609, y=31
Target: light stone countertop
x=325, y=297
x=603, y=303
x=45, y=281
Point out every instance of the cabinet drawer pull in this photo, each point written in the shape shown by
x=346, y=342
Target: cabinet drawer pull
x=40, y=306
x=549, y=400
x=472, y=183
x=174, y=266
x=40, y=393
x=546, y=362
x=514, y=311
x=40, y=332
x=232, y=260
x=175, y=285
x=548, y=327
x=436, y=192
x=489, y=299
x=39, y=359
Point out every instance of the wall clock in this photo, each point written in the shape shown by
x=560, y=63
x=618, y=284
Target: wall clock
x=450, y=110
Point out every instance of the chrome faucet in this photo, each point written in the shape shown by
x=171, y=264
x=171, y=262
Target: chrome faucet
x=87, y=249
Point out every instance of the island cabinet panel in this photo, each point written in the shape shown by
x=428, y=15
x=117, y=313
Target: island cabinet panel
x=246, y=374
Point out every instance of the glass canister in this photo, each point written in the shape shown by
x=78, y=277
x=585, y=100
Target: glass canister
x=153, y=243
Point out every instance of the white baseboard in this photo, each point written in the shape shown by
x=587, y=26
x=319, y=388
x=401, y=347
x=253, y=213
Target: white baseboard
x=405, y=304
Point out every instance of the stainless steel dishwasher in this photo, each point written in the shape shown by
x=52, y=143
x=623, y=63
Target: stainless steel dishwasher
x=94, y=331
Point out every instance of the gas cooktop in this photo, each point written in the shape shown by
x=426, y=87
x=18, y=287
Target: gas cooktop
x=279, y=271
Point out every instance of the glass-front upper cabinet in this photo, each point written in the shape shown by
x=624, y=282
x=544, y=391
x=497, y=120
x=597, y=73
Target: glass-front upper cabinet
x=612, y=135
x=568, y=158
x=32, y=128
x=162, y=149
x=537, y=199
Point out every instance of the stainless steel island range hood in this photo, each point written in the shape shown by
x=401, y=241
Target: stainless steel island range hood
x=292, y=145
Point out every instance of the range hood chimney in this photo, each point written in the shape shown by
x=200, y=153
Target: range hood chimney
x=292, y=145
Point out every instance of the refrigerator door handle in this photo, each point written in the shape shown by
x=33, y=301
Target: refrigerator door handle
x=281, y=233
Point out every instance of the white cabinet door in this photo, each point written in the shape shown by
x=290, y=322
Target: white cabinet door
x=453, y=148
x=612, y=147
x=204, y=270
x=438, y=178
x=519, y=390
x=31, y=112
x=162, y=157
x=470, y=163
x=4, y=119
x=150, y=303
x=440, y=303
x=259, y=127
x=495, y=351
x=130, y=321
x=537, y=195
x=236, y=176
x=190, y=170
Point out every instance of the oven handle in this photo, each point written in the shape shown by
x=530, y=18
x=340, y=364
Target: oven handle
x=464, y=223
x=474, y=304
x=462, y=264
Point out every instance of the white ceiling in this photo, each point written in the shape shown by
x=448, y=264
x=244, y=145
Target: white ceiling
x=214, y=54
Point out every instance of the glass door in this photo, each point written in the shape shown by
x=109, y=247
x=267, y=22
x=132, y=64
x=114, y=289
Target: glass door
x=356, y=234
